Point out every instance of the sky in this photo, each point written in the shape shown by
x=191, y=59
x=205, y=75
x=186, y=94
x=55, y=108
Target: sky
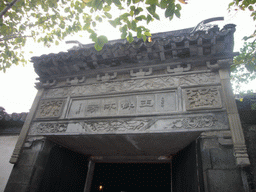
x=17, y=90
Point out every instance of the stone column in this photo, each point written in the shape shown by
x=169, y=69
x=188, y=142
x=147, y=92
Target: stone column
x=25, y=128
x=240, y=150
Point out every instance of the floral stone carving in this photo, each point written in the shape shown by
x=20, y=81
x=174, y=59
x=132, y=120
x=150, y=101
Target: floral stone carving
x=207, y=121
x=51, y=127
x=50, y=108
x=117, y=126
x=202, y=98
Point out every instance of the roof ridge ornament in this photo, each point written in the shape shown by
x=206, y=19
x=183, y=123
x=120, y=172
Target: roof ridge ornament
x=203, y=27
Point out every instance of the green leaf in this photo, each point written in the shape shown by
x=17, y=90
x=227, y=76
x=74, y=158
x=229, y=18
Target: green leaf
x=123, y=29
x=147, y=33
x=177, y=13
x=135, y=1
x=132, y=8
x=97, y=47
x=124, y=16
x=163, y=4
x=130, y=37
x=138, y=10
x=102, y=40
x=139, y=35
x=124, y=34
x=108, y=15
x=251, y=8
x=115, y=22
x=170, y=10
x=117, y=3
x=98, y=18
x=151, y=2
x=149, y=18
x=156, y=16
x=151, y=9
x=109, y=2
x=67, y=9
x=144, y=37
x=93, y=37
x=141, y=17
x=134, y=25
x=106, y=8
x=178, y=6
x=86, y=26
x=57, y=42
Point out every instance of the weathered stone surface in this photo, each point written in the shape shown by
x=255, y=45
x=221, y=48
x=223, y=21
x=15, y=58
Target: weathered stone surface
x=26, y=175
x=11, y=187
x=224, y=181
x=222, y=158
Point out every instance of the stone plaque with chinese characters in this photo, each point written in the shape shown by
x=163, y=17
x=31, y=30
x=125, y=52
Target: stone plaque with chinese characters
x=157, y=103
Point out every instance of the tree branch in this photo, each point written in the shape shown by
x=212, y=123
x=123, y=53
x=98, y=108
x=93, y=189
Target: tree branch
x=6, y=38
x=8, y=7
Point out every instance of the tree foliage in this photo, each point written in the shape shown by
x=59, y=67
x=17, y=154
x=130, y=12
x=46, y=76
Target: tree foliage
x=244, y=65
x=50, y=21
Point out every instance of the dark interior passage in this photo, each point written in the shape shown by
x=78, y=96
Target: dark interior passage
x=117, y=177
x=65, y=171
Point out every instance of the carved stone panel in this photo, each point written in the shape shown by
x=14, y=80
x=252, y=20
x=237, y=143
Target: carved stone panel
x=123, y=105
x=50, y=108
x=202, y=98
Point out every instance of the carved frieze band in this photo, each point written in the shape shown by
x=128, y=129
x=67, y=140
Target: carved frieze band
x=203, y=98
x=203, y=122
x=154, y=83
x=50, y=108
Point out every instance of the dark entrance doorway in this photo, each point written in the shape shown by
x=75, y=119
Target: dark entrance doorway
x=117, y=177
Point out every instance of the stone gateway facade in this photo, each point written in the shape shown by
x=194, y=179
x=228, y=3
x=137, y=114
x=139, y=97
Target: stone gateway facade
x=155, y=115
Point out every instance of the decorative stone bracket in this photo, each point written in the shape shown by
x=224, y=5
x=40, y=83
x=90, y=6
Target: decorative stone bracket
x=221, y=64
x=141, y=73
x=47, y=84
x=106, y=77
x=75, y=81
x=178, y=69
